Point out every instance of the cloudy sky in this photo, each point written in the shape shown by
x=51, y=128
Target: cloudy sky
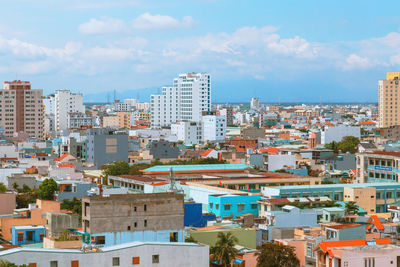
x=287, y=50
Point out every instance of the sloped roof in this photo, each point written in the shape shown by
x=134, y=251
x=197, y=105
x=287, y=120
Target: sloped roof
x=375, y=221
x=367, y=123
x=62, y=157
x=324, y=246
x=205, y=153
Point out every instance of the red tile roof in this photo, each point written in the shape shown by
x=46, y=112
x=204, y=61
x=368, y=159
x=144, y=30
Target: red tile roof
x=344, y=226
x=384, y=153
x=324, y=246
x=62, y=157
x=269, y=150
x=375, y=221
x=205, y=153
x=66, y=166
x=329, y=123
x=367, y=123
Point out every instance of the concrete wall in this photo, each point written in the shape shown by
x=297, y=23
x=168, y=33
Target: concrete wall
x=276, y=162
x=57, y=222
x=170, y=254
x=8, y=203
x=137, y=212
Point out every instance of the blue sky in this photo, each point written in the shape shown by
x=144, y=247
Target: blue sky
x=288, y=50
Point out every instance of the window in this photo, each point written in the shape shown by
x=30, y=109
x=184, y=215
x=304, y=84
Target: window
x=134, y=209
x=20, y=236
x=389, y=195
x=145, y=207
x=217, y=206
x=145, y=223
x=129, y=227
x=173, y=237
x=135, y=260
x=135, y=224
x=227, y=206
x=378, y=195
x=115, y=261
x=240, y=207
x=155, y=259
x=53, y=263
x=254, y=206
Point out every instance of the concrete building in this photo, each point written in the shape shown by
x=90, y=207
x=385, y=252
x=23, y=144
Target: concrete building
x=255, y=103
x=140, y=254
x=389, y=100
x=21, y=109
x=64, y=102
x=105, y=146
x=119, y=219
x=214, y=128
x=336, y=133
x=120, y=120
x=288, y=217
x=190, y=133
x=385, y=193
x=378, y=166
x=8, y=203
x=228, y=113
x=164, y=149
x=76, y=120
x=184, y=101
x=233, y=205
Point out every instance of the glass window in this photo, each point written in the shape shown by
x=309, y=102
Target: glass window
x=227, y=206
x=155, y=259
x=254, y=206
x=115, y=261
x=240, y=207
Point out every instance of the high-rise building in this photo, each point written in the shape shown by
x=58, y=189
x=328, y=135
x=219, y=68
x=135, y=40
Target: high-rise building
x=21, y=109
x=183, y=101
x=389, y=100
x=62, y=103
x=255, y=103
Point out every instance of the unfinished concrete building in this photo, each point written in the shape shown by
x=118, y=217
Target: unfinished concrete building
x=126, y=218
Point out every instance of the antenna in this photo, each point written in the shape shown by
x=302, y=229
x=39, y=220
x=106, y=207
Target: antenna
x=172, y=187
x=114, y=95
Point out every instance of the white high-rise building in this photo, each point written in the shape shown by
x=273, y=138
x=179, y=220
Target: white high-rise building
x=183, y=101
x=214, y=127
x=189, y=132
x=62, y=103
x=255, y=103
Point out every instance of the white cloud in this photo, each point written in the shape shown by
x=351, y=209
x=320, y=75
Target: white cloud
x=354, y=61
x=147, y=21
x=105, y=25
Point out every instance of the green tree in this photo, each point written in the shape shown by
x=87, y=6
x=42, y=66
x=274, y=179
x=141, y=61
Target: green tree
x=3, y=188
x=74, y=205
x=5, y=263
x=23, y=199
x=351, y=207
x=349, y=144
x=190, y=239
x=15, y=186
x=333, y=146
x=47, y=189
x=277, y=255
x=224, y=250
x=116, y=168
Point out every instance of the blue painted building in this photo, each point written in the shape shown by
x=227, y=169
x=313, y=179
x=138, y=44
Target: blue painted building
x=27, y=234
x=194, y=215
x=73, y=189
x=233, y=205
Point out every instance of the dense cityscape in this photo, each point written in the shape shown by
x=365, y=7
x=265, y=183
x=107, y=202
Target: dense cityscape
x=141, y=183
x=199, y=133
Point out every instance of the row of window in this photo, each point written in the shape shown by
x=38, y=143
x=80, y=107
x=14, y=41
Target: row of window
x=240, y=207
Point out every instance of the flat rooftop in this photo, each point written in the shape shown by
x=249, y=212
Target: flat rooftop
x=197, y=168
x=333, y=186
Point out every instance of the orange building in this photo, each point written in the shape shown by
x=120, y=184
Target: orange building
x=29, y=216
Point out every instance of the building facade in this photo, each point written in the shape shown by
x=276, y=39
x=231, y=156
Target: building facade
x=189, y=132
x=105, y=145
x=214, y=127
x=185, y=100
x=21, y=109
x=119, y=219
x=389, y=100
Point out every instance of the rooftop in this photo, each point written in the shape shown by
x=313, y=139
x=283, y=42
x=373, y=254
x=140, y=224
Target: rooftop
x=197, y=168
x=330, y=186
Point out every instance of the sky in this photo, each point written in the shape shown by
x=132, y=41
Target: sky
x=287, y=50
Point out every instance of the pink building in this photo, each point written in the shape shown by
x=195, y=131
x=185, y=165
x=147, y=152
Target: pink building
x=354, y=253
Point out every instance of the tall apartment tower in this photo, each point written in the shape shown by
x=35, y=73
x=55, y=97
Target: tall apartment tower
x=183, y=101
x=61, y=104
x=389, y=100
x=21, y=109
x=255, y=103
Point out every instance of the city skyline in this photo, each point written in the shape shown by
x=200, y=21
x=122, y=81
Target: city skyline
x=337, y=51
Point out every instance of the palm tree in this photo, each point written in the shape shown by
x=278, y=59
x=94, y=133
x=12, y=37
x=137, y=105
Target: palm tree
x=224, y=250
x=351, y=207
x=277, y=255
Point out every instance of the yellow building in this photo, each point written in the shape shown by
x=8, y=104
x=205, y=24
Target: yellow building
x=389, y=100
